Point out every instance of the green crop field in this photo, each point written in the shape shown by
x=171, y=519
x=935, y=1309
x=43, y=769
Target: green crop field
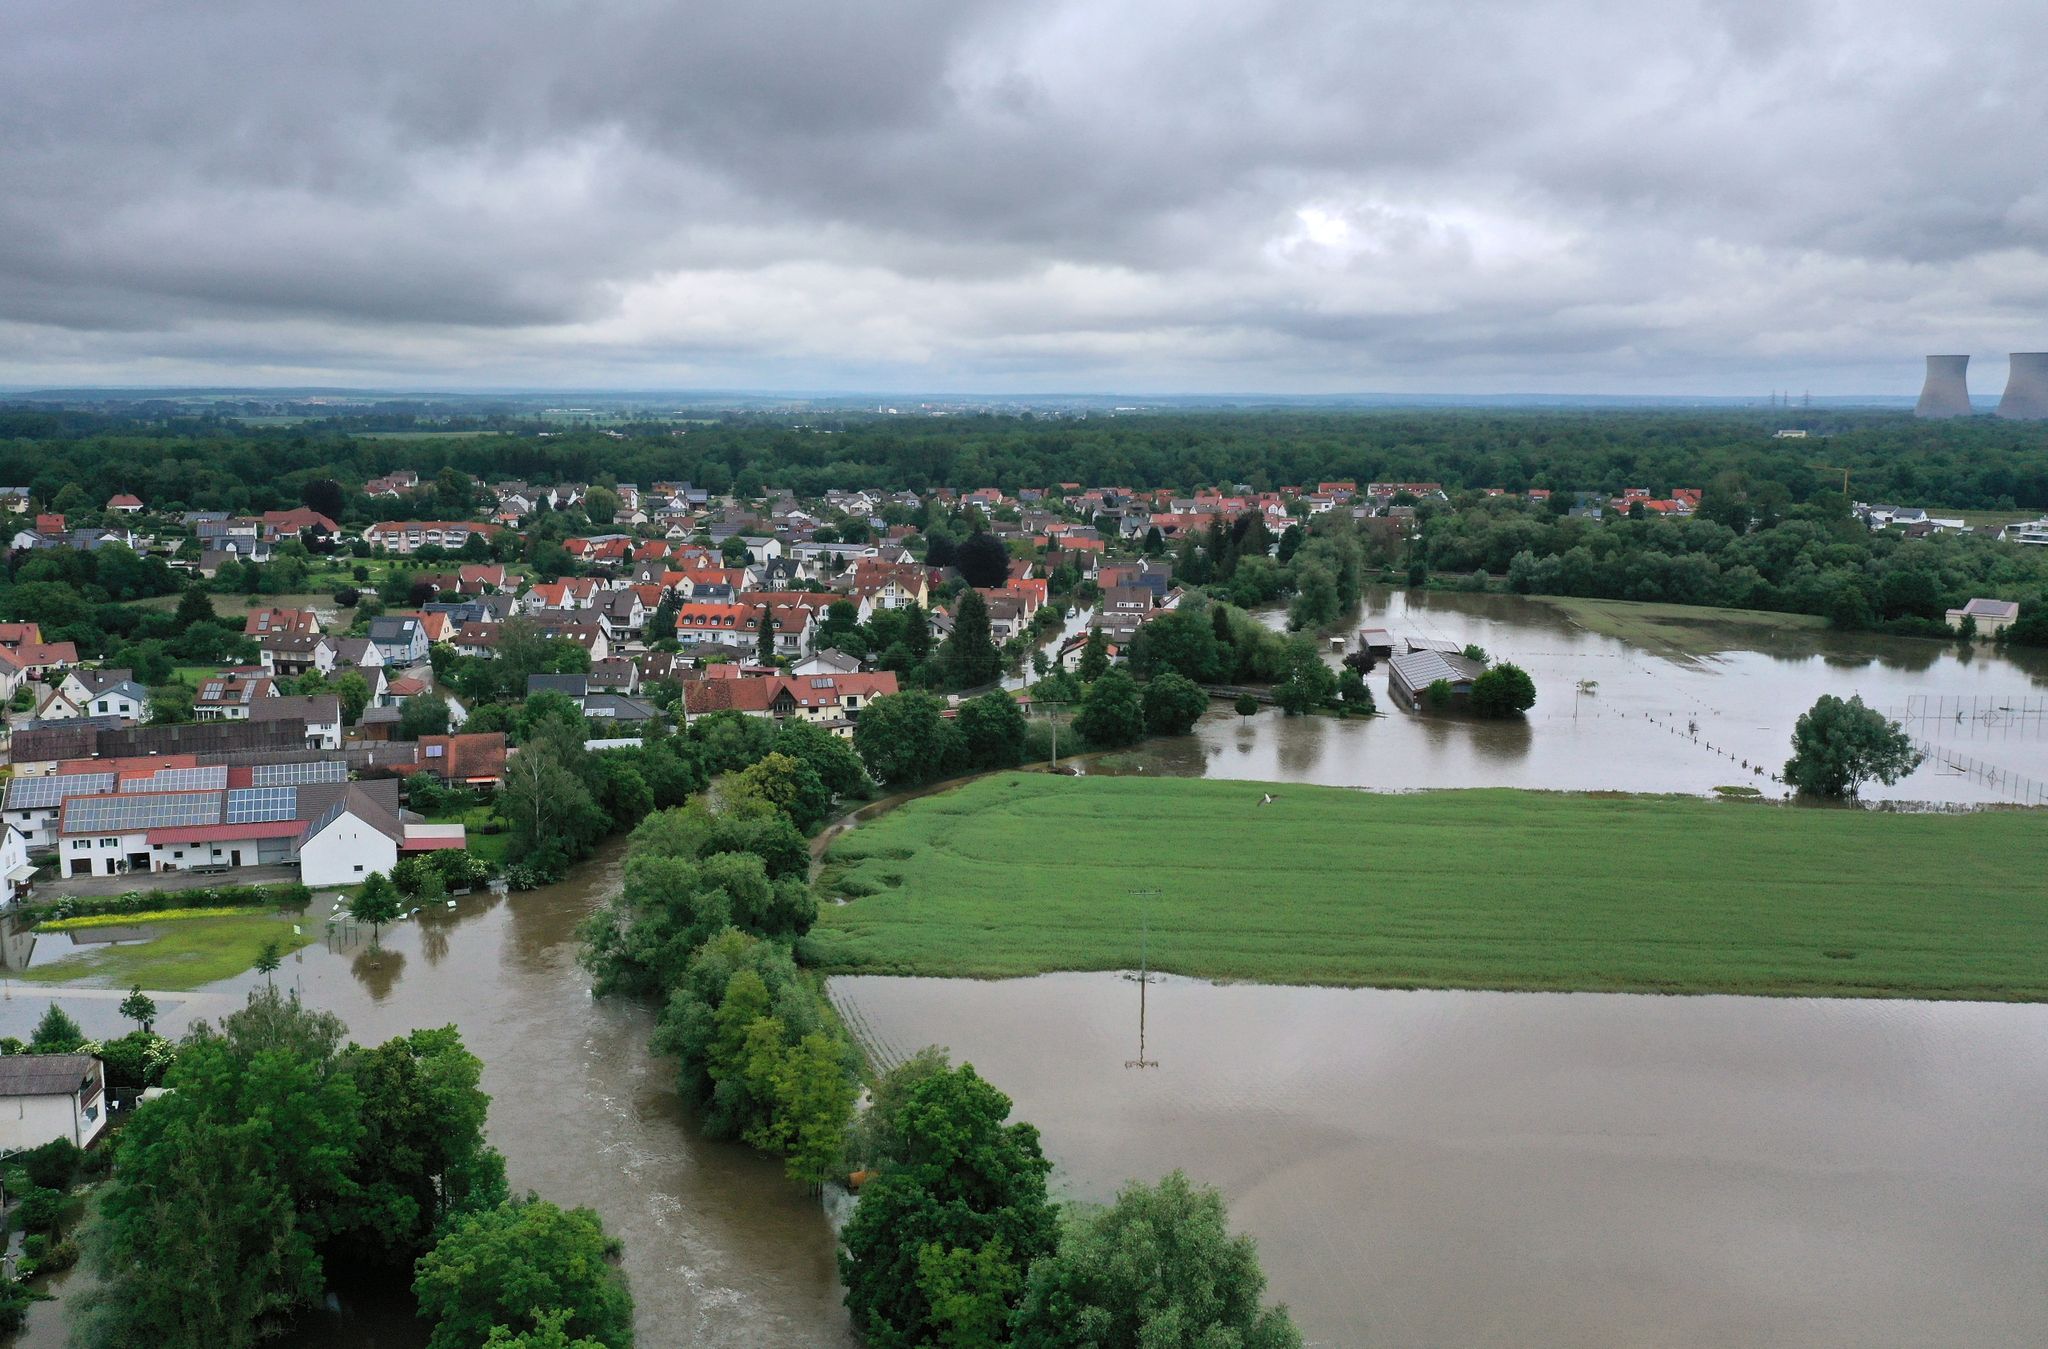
x=1025, y=873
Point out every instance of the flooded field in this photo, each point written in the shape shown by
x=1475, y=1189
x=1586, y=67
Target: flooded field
x=1574, y=1170
x=1644, y=722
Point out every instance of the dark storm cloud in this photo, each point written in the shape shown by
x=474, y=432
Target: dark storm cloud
x=1538, y=193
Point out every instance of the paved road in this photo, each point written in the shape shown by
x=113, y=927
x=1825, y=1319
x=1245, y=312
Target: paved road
x=82, y=887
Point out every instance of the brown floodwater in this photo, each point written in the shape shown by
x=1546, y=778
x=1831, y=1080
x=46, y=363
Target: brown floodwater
x=1648, y=723
x=720, y=1248
x=1569, y=1170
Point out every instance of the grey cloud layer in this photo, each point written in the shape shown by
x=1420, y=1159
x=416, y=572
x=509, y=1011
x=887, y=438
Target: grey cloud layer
x=1566, y=194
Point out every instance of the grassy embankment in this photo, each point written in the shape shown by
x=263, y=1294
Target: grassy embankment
x=1021, y=874
x=1681, y=630
x=185, y=952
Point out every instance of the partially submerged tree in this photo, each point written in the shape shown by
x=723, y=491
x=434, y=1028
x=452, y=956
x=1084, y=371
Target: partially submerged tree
x=1838, y=746
x=1157, y=1269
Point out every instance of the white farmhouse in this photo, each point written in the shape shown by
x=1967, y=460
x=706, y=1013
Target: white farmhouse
x=44, y=1097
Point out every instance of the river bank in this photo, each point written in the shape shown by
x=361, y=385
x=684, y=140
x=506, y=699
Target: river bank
x=1028, y=873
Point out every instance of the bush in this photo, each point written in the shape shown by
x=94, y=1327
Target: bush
x=53, y=1165
x=38, y=1209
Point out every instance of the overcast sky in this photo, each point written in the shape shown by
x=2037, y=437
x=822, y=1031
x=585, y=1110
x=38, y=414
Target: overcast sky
x=1484, y=196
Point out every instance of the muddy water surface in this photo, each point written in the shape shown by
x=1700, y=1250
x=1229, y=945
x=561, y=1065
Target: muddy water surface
x=1537, y=1170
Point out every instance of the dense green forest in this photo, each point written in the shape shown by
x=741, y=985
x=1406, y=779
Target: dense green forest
x=1979, y=464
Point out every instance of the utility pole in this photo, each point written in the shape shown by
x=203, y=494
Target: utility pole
x=1144, y=898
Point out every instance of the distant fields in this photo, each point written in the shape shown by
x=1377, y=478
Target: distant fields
x=1025, y=873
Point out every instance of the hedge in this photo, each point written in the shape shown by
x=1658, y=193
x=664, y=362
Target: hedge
x=292, y=896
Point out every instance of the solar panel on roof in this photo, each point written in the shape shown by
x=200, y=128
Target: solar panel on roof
x=255, y=805
x=127, y=814
x=44, y=792
x=209, y=779
x=295, y=774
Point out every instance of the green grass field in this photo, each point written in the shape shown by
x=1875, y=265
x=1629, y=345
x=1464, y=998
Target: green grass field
x=1684, y=630
x=1022, y=874
x=185, y=953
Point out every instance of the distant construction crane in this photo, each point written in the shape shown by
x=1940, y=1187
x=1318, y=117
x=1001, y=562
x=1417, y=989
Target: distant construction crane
x=1836, y=468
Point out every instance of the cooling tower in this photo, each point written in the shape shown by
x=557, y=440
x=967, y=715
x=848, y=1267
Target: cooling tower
x=1947, y=391
x=2026, y=388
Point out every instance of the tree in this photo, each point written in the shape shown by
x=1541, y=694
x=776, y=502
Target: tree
x=549, y=1332
x=905, y=739
x=548, y=807
x=1247, y=705
x=1305, y=683
x=969, y=657
x=376, y=903
x=140, y=1008
x=963, y=1181
x=764, y=636
x=1094, y=656
x=208, y=1232
x=1352, y=690
x=1174, y=703
x=423, y=714
x=830, y=756
x=983, y=562
x=268, y=960
x=993, y=728
x=1838, y=746
x=1156, y=1270
x=323, y=495
x=354, y=692
x=1179, y=641
x=1111, y=714
x=422, y=1157
x=194, y=606
x=510, y=1265
x=1503, y=691
x=56, y=1033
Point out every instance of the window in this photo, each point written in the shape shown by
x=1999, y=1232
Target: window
x=359, y=868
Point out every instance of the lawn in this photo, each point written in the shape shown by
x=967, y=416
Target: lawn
x=1021, y=874
x=1683, y=630
x=185, y=954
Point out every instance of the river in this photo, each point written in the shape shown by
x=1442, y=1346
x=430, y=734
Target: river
x=1535, y=1170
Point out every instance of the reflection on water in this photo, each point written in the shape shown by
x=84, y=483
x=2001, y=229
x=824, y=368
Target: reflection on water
x=1454, y=1168
x=1613, y=717
x=720, y=1248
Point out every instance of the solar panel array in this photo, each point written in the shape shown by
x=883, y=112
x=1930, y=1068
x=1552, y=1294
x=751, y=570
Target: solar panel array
x=298, y=774
x=257, y=805
x=128, y=814
x=44, y=792
x=209, y=779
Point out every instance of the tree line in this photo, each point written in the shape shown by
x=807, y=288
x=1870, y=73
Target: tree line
x=218, y=463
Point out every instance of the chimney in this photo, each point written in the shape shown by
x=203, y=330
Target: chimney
x=2026, y=388
x=1947, y=390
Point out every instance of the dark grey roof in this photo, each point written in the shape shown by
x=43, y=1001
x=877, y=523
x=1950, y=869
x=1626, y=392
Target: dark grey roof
x=575, y=685
x=321, y=708
x=45, y=1074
